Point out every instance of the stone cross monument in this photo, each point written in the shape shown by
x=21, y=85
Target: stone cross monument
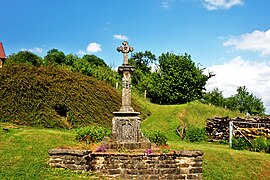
x=126, y=70
x=126, y=132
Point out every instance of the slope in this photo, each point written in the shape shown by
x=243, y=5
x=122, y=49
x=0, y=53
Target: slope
x=52, y=97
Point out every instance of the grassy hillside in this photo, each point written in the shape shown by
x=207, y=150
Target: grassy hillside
x=53, y=97
x=23, y=150
x=220, y=161
x=167, y=118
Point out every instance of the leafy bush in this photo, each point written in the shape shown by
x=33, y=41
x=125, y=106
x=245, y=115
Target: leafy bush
x=156, y=137
x=259, y=144
x=195, y=134
x=240, y=143
x=91, y=134
x=267, y=150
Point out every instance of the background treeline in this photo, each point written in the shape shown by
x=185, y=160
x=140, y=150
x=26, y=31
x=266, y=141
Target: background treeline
x=89, y=65
x=167, y=79
x=243, y=101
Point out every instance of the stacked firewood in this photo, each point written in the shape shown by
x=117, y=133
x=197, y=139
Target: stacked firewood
x=218, y=127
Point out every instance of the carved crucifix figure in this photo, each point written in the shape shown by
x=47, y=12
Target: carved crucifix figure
x=125, y=49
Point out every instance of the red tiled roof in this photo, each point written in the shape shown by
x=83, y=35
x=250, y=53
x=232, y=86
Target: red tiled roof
x=2, y=52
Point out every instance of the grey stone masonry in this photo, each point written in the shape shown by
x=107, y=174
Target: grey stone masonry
x=126, y=131
x=180, y=164
x=76, y=160
x=126, y=88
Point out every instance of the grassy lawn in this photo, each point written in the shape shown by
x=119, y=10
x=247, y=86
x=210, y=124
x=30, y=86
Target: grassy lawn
x=24, y=153
x=24, y=150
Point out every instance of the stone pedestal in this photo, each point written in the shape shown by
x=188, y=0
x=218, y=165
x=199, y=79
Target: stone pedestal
x=126, y=132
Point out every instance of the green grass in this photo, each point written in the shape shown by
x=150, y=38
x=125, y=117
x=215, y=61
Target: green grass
x=24, y=153
x=24, y=150
x=219, y=161
x=167, y=118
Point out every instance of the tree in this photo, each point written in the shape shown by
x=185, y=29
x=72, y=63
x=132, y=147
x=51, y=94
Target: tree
x=142, y=75
x=94, y=60
x=70, y=59
x=214, y=97
x=142, y=60
x=54, y=56
x=178, y=80
x=245, y=102
x=24, y=57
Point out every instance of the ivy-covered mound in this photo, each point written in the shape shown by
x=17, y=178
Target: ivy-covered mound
x=52, y=97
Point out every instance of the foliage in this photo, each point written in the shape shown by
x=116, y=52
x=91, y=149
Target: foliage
x=53, y=97
x=240, y=143
x=142, y=78
x=157, y=137
x=260, y=144
x=54, y=57
x=70, y=59
x=91, y=134
x=94, y=60
x=214, y=97
x=195, y=134
x=178, y=80
x=24, y=57
x=245, y=102
x=97, y=69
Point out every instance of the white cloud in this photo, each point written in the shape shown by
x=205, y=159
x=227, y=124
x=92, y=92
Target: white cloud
x=221, y=4
x=165, y=5
x=93, y=47
x=80, y=52
x=34, y=50
x=239, y=72
x=258, y=41
x=121, y=37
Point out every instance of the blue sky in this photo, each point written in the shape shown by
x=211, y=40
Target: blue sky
x=229, y=37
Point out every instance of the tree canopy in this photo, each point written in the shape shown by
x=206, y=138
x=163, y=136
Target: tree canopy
x=26, y=57
x=178, y=80
x=242, y=101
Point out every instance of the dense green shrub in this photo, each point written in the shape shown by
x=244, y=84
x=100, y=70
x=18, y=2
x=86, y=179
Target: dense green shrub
x=240, y=143
x=260, y=144
x=156, y=137
x=91, y=134
x=195, y=134
x=52, y=97
x=267, y=150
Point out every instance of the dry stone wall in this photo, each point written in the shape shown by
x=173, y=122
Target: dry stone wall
x=175, y=165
